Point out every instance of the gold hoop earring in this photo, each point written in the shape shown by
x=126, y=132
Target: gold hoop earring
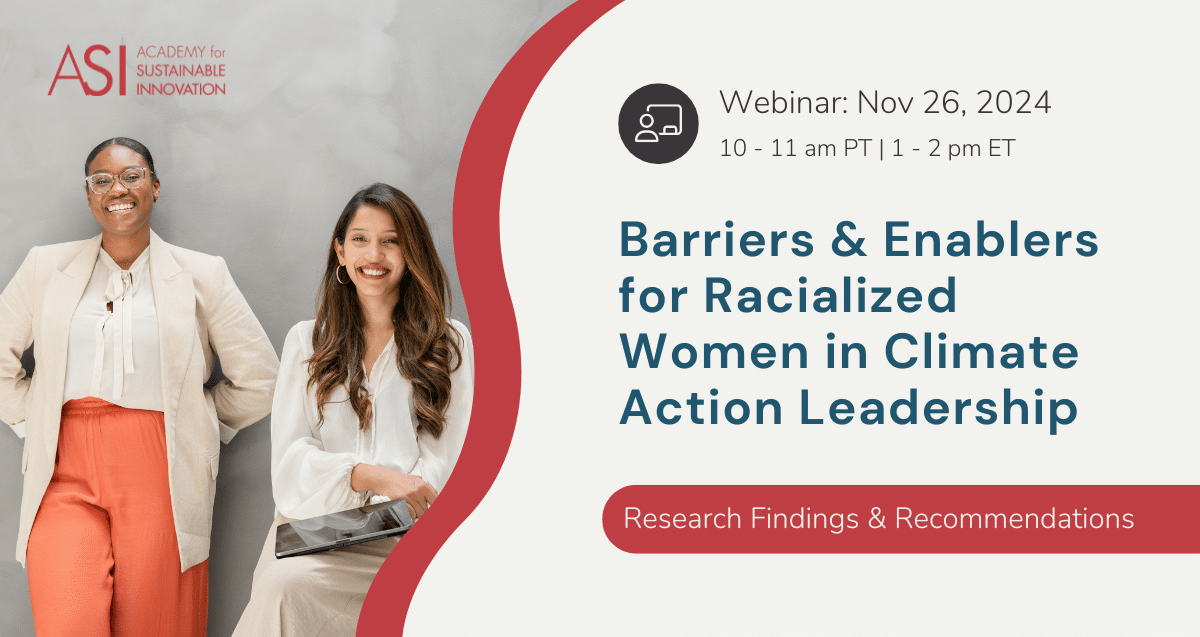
x=337, y=274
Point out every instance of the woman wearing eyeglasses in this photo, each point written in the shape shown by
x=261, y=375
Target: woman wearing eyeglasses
x=121, y=436
x=372, y=405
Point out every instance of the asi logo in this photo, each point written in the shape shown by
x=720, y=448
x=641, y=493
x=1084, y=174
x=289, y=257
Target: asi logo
x=658, y=123
x=87, y=59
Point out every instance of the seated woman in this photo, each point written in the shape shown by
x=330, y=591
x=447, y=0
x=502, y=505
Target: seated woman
x=372, y=405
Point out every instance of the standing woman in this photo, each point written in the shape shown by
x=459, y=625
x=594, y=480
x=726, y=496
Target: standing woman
x=372, y=405
x=121, y=437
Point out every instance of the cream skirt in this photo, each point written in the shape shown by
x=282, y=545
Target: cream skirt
x=311, y=595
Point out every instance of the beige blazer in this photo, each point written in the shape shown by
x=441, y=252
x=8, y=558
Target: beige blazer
x=201, y=313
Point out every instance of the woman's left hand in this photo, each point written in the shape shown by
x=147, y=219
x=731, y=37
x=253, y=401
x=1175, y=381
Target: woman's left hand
x=393, y=485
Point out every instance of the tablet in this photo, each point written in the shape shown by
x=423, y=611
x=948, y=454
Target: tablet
x=333, y=531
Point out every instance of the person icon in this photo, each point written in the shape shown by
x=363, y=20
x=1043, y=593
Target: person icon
x=657, y=123
x=646, y=136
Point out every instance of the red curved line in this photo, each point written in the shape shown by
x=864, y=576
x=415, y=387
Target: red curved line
x=493, y=325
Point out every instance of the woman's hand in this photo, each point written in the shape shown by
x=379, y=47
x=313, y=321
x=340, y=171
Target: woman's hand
x=393, y=485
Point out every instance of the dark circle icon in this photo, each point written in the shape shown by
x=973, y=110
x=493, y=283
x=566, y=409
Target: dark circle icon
x=658, y=123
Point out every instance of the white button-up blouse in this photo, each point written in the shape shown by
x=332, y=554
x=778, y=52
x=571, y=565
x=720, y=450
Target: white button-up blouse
x=311, y=465
x=114, y=355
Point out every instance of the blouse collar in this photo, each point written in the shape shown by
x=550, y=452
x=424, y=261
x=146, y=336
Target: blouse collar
x=377, y=373
x=121, y=286
x=136, y=268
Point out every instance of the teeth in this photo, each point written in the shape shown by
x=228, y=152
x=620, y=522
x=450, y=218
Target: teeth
x=118, y=207
x=373, y=271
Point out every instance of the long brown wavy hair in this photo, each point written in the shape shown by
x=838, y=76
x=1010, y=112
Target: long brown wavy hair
x=426, y=344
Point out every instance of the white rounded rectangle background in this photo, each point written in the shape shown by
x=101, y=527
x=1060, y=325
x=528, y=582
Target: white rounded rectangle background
x=1114, y=155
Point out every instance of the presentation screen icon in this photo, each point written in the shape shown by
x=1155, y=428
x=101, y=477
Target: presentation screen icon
x=660, y=119
x=658, y=123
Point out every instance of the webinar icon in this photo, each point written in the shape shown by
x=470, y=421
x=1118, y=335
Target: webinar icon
x=658, y=123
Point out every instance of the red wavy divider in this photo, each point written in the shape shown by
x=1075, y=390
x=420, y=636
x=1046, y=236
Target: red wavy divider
x=493, y=325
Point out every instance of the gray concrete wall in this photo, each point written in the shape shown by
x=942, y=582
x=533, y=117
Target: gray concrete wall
x=321, y=99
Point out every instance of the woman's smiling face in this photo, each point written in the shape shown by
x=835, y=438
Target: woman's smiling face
x=371, y=253
x=122, y=211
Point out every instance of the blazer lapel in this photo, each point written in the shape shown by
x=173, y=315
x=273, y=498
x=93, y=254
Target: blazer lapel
x=175, y=304
x=58, y=308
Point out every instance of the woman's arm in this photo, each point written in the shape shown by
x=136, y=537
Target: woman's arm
x=393, y=485
x=16, y=335
x=306, y=479
x=247, y=358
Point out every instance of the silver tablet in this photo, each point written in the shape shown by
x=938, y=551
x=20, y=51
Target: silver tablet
x=325, y=532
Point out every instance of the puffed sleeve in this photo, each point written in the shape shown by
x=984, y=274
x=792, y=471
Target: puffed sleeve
x=438, y=455
x=307, y=480
x=16, y=335
x=248, y=361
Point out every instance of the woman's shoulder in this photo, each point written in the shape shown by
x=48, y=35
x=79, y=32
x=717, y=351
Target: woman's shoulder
x=303, y=329
x=60, y=255
x=196, y=262
x=463, y=340
x=75, y=258
x=464, y=336
x=300, y=338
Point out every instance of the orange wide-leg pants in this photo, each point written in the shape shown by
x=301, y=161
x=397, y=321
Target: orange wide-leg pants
x=103, y=557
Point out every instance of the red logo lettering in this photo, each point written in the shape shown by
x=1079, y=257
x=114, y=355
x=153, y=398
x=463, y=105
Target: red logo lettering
x=87, y=59
x=59, y=76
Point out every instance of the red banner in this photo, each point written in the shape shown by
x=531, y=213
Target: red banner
x=904, y=519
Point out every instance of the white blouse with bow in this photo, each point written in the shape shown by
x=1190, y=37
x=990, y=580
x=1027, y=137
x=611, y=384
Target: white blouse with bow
x=113, y=354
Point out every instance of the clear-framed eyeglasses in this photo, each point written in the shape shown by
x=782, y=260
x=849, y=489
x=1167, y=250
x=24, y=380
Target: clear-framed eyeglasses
x=130, y=178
